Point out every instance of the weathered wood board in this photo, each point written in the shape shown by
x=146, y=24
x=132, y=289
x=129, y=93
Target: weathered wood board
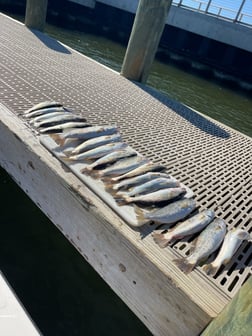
x=167, y=301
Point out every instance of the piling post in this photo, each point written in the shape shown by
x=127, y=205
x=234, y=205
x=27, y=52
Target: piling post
x=144, y=39
x=35, y=14
x=236, y=317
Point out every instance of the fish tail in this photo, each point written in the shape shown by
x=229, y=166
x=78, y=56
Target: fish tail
x=121, y=201
x=68, y=152
x=67, y=159
x=57, y=138
x=109, y=188
x=159, y=238
x=140, y=215
x=184, y=265
x=112, y=192
x=86, y=170
x=210, y=269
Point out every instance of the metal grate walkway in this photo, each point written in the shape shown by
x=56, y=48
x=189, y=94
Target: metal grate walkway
x=210, y=158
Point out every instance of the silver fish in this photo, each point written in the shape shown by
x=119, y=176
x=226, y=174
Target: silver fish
x=67, y=117
x=43, y=105
x=151, y=186
x=85, y=133
x=109, y=158
x=65, y=126
x=95, y=142
x=155, y=197
x=97, y=152
x=44, y=111
x=232, y=241
x=169, y=214
x=206, y=243
x=48, y=116
x=125, y=184
x=122, y=166
x=147, y=167
x=188, y=227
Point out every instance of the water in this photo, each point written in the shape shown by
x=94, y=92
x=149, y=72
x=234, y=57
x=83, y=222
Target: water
x=62, y=293
x=231, y=107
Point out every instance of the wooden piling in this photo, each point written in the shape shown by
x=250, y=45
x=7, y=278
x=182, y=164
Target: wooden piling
x=145, y=36
x=236, y=318
x=35, y=14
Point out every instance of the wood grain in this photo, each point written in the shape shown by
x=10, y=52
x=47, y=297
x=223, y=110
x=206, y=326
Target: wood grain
x=167, y=301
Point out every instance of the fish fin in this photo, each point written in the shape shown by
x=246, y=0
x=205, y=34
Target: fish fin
x=57, y=138
x=184, y=265
x=210, y=269
x=159, y=238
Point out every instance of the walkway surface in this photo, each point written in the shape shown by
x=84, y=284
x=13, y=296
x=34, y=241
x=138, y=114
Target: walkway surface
x=210, y=158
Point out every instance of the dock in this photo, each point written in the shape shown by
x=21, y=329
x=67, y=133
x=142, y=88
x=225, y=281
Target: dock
x=207, y=156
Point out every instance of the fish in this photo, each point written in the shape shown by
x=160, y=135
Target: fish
x=190, y=226
x=95, y=142
x=204, y=245
x=126, y=183
x=154, y=197
x=44, y=111
x=151, y=186
x=84, y=133
x=42, y=105
x=48, y=116
x=96, y=152
x=147, y=167
x=59, y=120
x=169, y=214
x=64, y=126
x=232, y=242
x=121, y=167
x=109, y=158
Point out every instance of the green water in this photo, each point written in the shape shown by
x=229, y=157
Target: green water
x=229, y=106
x=62, y=293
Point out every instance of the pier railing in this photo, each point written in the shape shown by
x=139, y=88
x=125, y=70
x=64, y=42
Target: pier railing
x=235, y=11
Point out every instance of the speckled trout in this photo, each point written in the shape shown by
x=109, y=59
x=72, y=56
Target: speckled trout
x=84, y=133
x=205, y=244
x=151, y=186
x=190, y=226
x=43, y=105
x=232, y=241
x=98, y=152
x=154, y=197
x=125, y=184
x=169, y=214
x=110, y=158
x=95, y=142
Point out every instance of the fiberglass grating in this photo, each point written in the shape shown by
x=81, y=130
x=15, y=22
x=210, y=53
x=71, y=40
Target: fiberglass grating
x=213, y=160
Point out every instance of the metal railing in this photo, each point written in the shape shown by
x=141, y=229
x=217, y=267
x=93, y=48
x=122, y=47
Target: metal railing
x=234, y=11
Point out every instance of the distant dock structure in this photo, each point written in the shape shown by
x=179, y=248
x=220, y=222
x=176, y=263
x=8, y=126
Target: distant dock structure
x=210, y=36
x=213, y=160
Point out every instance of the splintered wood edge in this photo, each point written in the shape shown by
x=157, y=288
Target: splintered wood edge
x=141, y=273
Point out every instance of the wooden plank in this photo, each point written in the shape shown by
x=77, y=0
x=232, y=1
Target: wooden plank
x=144, y=39
x=236, y=318
x=167, y=301
x=35, y=14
